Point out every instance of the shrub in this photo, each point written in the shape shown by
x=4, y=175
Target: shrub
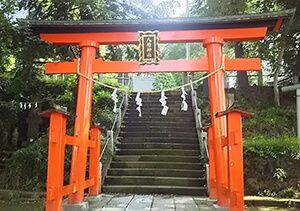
x=27, y=168
x=288, y=193
x=270, y=121
x=273, y=147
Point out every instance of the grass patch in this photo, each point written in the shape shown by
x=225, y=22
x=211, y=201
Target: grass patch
x=270, y=121
x=273, y=147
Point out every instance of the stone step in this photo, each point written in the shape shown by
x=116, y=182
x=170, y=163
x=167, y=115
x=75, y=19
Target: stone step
x=156, y=107
x=183, y=140
x=158, y=128
x=158, y=152
x=158, y=94
x=159, y=124
x=138, y=189
x=150, y=113
x=158, y=158
x=155, y=172
x=157, y=98
x=159, y=117
x=151, y=108
x=157, y=146
x=155, y=181
x=162, y=134
x=155, y=103
x=159, y=165
x=152, y=101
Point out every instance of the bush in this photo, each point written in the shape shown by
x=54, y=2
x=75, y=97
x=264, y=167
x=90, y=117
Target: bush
x=27, y=168
x=271, y=166
x=290, y=192
x=273, y=147
x=270, y=121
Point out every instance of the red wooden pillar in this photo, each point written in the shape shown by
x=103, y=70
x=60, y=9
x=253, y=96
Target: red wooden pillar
x=235, y=157
x=213, y=46
x=56, y=157
x=236, y=170
x=94, y=169
x=212, y=166
x=82, y=121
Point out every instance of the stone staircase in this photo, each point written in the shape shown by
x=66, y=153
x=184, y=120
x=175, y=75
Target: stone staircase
x=157, y=154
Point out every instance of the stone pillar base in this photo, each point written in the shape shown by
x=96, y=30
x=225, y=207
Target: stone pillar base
x=83, y=206
x=218, y=208
x=93, y=201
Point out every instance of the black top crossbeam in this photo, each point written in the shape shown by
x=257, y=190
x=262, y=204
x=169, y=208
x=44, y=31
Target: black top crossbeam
x=192, y=23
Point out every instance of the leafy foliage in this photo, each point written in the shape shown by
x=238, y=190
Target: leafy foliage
x=270, y=147
x=289, y=192
x=27, y=168
x=22, y=78
x=167, y=80
x=269, y=48
x=270, y=121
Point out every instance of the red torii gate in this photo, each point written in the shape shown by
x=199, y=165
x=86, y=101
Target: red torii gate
x=225, y=140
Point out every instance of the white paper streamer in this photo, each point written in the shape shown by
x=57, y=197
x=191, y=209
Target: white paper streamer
x=138, y=101
x=36, y=105
x=29, y=105
x=25, y=106
x=163, y=101
x=184, y=105
x=115, y=99
x=21, y=105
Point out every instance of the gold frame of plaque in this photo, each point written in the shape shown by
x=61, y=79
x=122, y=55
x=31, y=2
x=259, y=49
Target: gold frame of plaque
x=149, y=47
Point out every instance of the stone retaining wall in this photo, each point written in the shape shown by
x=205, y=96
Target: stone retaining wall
x=270, y=176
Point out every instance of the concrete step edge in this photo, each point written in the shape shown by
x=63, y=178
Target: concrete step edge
x=155, y=177
x=183, y=150
x=155, y=143
x=157, y=169
x=165, y=138
x=161, y=132
x=156, y=127
x=156, y=162
x=151, y=186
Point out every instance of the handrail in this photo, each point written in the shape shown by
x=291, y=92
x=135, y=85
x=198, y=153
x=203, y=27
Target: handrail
x=116, y=126
x=202, y=136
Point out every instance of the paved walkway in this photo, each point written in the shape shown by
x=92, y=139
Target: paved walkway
x=151, y=203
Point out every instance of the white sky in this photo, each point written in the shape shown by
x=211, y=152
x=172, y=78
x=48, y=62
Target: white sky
x=180, y=11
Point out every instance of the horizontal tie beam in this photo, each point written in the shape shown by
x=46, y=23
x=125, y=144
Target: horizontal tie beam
x=100, y=66
x=183, y=36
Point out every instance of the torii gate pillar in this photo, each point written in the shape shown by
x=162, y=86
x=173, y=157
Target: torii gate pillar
x=83, y=118
x=213, y=46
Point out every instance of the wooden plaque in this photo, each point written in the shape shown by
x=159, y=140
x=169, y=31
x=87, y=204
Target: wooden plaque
x=149, y=47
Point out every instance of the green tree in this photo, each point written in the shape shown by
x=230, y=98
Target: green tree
x=21, y=69
x=279, y=49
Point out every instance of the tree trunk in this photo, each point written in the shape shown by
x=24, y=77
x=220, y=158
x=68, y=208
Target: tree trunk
x=260, y=78
x=242, y=77
x=276, y=74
